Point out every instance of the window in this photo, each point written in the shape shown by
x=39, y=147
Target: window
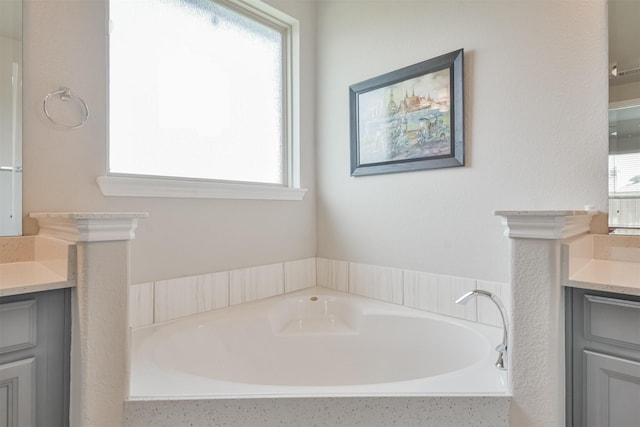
x=624, y=175
x=624, y=168
x=200, y=90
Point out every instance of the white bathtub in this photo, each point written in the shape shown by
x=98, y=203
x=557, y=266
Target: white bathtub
x=315, y=342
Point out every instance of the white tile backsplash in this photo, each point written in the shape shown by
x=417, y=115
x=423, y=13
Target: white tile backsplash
x=299, y=274
x=141, y=305
x=332, y=274
x=220, y=283
x=383, y=283
x=169, y=299
x=437, y=294
x=190, y=295
x=449, y=290
x=419, y=291
x=250, y=284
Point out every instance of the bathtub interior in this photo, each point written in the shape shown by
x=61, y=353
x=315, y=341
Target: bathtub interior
x=316, y=314
x=315, y=342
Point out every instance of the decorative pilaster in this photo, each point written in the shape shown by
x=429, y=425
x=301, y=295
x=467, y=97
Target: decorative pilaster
x=99, y=337
x=536, y=359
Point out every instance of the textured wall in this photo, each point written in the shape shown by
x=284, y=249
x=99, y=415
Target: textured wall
x=537, y=341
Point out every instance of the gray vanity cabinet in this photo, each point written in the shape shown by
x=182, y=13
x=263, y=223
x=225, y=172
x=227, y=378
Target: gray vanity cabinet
x=603, y=359
x=34, y=359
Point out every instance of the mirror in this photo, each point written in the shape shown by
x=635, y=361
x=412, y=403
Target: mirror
x=624, y=117
x=10, y=117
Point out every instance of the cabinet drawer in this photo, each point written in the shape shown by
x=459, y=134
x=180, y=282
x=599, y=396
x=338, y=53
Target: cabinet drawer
x=17, y=325
x=612, y=321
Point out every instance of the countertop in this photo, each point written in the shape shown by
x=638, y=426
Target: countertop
x=35, y=264
x=609, y=276
x=29, y=276
x=604, y=263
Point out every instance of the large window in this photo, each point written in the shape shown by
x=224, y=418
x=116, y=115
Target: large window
x=200, y=89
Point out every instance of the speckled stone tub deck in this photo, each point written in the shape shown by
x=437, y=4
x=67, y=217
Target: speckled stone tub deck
x=443, y=411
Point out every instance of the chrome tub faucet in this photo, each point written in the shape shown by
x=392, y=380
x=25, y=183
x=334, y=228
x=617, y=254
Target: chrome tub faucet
x=501, y=348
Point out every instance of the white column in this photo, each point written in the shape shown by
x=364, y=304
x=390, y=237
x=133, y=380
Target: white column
x=99, y=335
x=536, y=362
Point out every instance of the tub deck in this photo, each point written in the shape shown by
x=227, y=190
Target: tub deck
x=452, y=411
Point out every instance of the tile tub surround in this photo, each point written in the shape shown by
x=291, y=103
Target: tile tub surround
x=182, y=297
x=250, y=284
x=170, y=299
x=435, y=293
x=173, y=298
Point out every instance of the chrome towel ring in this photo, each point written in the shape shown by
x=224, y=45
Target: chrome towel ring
x=66, y=95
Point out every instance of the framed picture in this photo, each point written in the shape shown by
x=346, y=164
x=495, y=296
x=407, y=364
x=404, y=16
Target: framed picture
x=409, y=119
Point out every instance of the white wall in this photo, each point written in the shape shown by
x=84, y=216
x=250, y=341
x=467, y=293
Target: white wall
x=536, y=120
x=65, y=45
x=536, y=127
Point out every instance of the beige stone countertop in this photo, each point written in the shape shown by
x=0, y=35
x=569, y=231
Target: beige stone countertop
x=603, y=262
x=609, y=276
x=29, y=276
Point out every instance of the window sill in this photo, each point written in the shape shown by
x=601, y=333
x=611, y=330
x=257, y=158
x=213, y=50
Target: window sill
x=165, y=187
x=627, y=195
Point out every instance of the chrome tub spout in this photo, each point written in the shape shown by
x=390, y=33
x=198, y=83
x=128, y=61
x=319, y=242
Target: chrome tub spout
x=501, y=348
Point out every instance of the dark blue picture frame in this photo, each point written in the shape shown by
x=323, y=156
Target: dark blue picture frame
x=451, y=137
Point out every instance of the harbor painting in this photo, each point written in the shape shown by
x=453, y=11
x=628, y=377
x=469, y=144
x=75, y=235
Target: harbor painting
x=406, y=120
x=399, y=123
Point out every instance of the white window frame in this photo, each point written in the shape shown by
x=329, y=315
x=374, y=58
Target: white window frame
x=130, y=185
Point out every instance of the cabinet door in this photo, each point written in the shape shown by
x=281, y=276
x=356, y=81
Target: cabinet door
x=17, y=393
x=612, y=395
x=38, y=325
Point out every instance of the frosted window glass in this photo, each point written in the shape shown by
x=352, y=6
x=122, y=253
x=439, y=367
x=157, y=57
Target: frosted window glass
x=196, y=91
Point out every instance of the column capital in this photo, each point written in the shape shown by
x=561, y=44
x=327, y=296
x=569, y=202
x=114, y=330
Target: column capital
x=88, y=226
x=545, y=224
